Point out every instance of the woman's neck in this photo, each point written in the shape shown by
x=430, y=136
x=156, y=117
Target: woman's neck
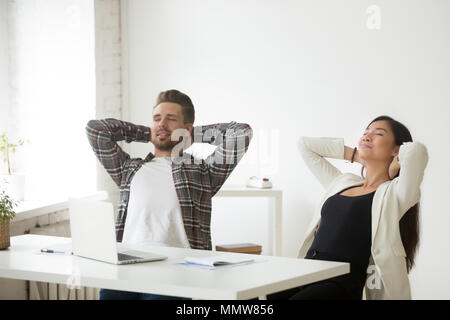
x=376, y=174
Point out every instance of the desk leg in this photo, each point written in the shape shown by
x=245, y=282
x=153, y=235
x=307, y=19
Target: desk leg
x=277, y=225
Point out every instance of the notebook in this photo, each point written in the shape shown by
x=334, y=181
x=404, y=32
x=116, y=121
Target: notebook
x=240, y=248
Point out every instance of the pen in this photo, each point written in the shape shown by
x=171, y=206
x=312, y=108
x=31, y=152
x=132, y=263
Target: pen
x=50, y=251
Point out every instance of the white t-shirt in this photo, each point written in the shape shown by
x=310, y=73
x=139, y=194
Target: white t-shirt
x=154, y=213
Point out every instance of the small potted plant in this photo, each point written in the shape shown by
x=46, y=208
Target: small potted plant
x=12, y=182
x=6, y=214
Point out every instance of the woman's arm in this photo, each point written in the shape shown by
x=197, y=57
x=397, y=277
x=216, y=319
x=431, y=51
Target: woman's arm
x=412, y=159
x=314, y=151
x=348, y=154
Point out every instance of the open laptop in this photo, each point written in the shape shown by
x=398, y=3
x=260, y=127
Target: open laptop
x=93, y=234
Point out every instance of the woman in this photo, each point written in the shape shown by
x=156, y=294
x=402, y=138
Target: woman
x=370, y=222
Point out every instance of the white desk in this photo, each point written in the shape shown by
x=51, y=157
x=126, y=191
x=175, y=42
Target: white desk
x=163, y=277
x=276, y=194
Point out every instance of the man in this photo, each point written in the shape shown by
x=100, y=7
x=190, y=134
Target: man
x=165, y=199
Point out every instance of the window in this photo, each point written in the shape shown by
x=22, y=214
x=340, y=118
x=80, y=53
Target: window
x=48, y=94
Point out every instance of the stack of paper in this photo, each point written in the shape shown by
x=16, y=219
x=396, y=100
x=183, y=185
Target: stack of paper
x=216, y=261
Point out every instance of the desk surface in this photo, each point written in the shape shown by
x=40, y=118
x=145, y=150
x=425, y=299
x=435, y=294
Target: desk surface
x=267, y=275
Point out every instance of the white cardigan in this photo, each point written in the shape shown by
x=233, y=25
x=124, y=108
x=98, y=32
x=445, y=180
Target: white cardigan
x=391, y=201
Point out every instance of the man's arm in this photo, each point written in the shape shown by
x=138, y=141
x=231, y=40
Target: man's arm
x=232, y=140
x=103, y=136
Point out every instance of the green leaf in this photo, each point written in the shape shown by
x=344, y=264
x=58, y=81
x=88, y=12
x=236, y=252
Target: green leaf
x=6, y=206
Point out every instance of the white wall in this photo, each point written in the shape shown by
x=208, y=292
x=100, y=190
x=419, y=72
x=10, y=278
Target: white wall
x=314, y=68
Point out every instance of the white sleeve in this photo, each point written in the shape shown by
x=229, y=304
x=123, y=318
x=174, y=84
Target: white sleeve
x=413, y=159
x=314, y=151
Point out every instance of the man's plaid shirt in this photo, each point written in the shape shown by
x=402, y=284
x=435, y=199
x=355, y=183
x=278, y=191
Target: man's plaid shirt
x=196, y=180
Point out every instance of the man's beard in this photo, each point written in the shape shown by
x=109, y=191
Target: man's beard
x=166, y=144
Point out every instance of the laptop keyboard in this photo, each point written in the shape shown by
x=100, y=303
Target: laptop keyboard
x=124, y=257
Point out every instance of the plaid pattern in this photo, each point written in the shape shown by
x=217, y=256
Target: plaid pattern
x=196, y=180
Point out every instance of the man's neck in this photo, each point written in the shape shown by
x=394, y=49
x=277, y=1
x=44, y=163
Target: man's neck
x=161, y=153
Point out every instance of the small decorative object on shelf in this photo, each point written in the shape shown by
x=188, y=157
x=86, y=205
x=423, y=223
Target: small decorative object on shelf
x=6, y=214
x=258, y=182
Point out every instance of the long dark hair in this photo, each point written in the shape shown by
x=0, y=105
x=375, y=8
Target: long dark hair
x=409, y=223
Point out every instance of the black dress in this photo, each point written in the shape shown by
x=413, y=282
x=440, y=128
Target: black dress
x=344, y=235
